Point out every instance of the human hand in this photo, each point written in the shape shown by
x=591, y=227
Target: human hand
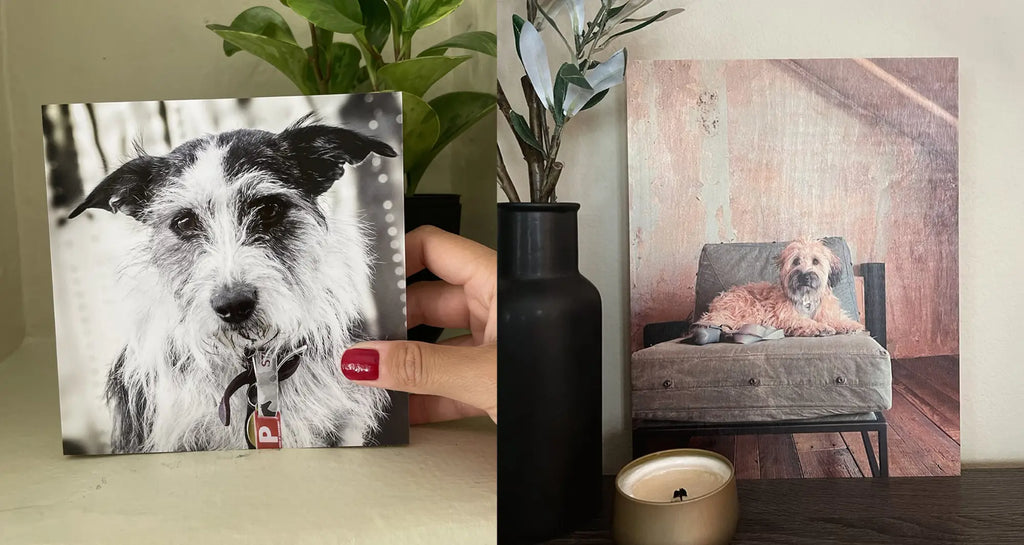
x=455, y=378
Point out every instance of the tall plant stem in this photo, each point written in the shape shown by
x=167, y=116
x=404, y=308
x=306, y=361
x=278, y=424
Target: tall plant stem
x=505, y=181
x=321, y=82
x=536, y=159
x=554, y=168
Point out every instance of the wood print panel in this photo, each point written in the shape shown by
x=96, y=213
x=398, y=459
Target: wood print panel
x=762, y=150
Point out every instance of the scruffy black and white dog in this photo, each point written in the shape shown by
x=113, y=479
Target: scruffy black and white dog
x=240, y=255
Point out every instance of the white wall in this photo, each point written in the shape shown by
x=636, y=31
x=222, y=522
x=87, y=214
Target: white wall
x=60, y=51
x=12, y=321
x=985, y=34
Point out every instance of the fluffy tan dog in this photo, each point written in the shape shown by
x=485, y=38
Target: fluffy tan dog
x=801, y=304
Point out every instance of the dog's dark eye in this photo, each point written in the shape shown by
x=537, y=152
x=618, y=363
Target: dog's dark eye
x=268, y=213
x=185, y=225
x=816, y=261
x=796, y=261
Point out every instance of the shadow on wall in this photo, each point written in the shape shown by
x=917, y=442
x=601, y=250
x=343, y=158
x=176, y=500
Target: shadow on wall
x=762, y=150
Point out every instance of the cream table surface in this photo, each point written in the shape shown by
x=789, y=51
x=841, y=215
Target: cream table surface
x=439, y=489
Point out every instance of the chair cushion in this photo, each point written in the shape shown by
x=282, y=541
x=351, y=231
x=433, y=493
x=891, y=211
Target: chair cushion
x=787, y=379
x=723, y=266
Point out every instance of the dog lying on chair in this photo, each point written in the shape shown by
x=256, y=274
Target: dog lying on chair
x=801, y=303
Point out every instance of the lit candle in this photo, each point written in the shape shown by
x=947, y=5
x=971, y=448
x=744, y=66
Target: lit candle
x=676, y=497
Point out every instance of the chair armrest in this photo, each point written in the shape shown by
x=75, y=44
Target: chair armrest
x=660, y=332
x=874, y=300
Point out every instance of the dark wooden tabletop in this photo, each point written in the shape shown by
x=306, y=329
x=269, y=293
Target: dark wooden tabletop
x=980, y=507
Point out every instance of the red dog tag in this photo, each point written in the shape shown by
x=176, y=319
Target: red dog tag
x=268, y=431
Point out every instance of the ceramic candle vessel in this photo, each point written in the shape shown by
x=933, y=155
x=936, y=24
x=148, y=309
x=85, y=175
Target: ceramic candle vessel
x=676, y=497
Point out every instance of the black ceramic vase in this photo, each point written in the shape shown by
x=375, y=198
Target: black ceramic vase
x=440, y=210
x=549, y=376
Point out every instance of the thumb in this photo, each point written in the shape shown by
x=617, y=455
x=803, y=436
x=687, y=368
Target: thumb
x=466, y=374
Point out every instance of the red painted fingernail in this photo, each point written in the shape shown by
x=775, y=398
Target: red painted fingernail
x=360, y=364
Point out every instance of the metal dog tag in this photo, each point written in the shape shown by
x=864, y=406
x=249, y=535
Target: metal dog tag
x=264, y=366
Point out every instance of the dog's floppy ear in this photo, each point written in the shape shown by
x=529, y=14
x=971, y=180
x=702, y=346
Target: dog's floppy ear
x=835, y=272
x=322, y=151
x=128, y=189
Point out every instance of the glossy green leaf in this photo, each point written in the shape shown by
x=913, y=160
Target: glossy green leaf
x=457, y=112
x=517, y=29
x=260, y=20
x=420, y=130
x=571, y=74
x=377, y=20
x=397, y=7
x=345, y=70
x=289, y=58
x=479, y=40
x=567, y=74
x=594, y=100
x=341, y=16
x=397, y=10
x=522, y=130
x=423, y=13
x=417, y=75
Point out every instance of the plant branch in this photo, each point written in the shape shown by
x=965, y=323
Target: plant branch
x=534, y=159
x=396, y=41
x=548, y=192
x=505, y=181
x=506, y=111
x=371, y=57
x=531, y=12
x=538, y=123
x=321, y=82
x=597, y=37
x=554, y=167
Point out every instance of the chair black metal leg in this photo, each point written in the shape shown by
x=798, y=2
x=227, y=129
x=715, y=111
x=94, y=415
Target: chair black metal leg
x=871, y=452
x=883, y=450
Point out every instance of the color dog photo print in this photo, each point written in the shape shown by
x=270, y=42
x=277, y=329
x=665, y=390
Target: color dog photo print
x=794, y=263
x=212, y=259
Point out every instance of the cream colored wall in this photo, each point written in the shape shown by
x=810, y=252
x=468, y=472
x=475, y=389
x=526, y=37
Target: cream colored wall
x=987, y=37
x=12, y=320
x=113, y=50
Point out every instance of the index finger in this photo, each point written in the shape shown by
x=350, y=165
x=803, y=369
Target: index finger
x=454, y=259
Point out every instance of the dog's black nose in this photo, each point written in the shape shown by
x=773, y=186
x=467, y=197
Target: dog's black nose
x=234, y=305
x=809, y=279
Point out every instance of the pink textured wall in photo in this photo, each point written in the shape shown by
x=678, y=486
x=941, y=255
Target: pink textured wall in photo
x=762, y=150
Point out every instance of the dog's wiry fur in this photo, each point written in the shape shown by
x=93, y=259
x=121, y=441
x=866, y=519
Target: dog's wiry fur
x=230, y=214
x=801, y=303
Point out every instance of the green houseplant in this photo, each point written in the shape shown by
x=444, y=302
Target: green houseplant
x=374, y=53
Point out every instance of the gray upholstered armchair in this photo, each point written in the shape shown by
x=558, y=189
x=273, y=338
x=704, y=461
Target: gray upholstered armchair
x=793, y=385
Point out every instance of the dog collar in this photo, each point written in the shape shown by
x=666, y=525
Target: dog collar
x=263, y=372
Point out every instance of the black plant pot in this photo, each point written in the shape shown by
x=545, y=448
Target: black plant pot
x=439, y=210
x=549, y=376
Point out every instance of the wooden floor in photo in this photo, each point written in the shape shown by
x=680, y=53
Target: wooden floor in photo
x=924, y=434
